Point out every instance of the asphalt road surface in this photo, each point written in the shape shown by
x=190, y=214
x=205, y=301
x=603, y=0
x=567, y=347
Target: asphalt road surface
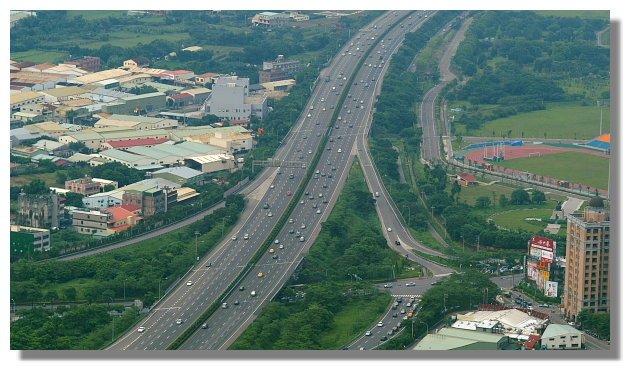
x=187, y=302
x=225, y=325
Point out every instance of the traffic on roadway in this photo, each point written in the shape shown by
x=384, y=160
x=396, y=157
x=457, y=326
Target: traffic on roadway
x=316, y=201
x=210, y=277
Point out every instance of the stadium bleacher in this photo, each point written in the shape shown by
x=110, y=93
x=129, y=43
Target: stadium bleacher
x=601, y=143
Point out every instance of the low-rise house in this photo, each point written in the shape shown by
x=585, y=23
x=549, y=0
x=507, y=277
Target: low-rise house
x=25, y=240
x=466, y=179
x=17, y=101
x=205, y=78
x=27, y=151
x=84, y=186
x=53, y=148
x=88, y=63
x=199, y=95
x=137, y=62
x=562, y=337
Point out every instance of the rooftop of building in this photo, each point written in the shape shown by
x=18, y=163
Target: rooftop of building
x=454, y=338
x=82, y=102
x=22, y=228
x=63, y=68
x=102, y=75
x=65, y=91
x=467, y=177
x=209, y=75
x=554, y=330
x=47, y=127
x=47, y=144
x=255, y=99
x=512, y=320
x=178, y=72
x=137, y=142
x=188, y=148
x=24, y=96
x=181, y=95
x=42, y=66
x=184, y=172
x=197, y=91
x=211, y=158
x=143, y=96
x=26, y=114
x=120, y=213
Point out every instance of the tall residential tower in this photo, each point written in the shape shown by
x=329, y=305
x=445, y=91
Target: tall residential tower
x=587, y=281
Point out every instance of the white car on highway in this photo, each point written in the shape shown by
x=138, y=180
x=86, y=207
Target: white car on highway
x=189, y=283
x=141, y=329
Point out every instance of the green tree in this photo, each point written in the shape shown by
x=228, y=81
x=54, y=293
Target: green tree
x=483, y=202
x=36, y=186
x=74, y=199
x=538, y=197
x=503, y=200
x=456, y=189
x=70, y=293
x=520, y=197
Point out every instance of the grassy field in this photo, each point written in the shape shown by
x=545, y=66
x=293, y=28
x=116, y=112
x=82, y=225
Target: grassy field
x=96, y=14
x=515, y=219
x=557, y=121
x=595, y=14
x=576, y=167
x=48, y=178
x=354, y=319
x=39, y=56
x=127, y=39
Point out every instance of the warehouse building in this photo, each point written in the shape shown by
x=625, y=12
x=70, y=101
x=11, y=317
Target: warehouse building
x=137, y=104
x=460, y=339
x=181, y=175
x=211, y=163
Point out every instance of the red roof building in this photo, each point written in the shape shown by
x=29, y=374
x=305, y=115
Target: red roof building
x=121, y=219
x=466, y=179
x=531, y=342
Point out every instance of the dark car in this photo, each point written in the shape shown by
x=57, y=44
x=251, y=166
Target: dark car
x=397, y=242
x=384, y=338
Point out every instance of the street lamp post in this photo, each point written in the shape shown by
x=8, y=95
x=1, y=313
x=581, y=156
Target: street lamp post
x=12, y=300
x=445, y=226
x=124, y=289
x=432, y=211
x=408, y=207
x=196, y=234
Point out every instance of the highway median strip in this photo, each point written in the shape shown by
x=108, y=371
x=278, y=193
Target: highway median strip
x=287, y=212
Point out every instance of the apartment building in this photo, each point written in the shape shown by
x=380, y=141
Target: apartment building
x=28, y=239
x=39, y=210
x=587, y=275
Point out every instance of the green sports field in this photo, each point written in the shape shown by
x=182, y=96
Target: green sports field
x=585, y=169
x=516, y=219
x=557, y=121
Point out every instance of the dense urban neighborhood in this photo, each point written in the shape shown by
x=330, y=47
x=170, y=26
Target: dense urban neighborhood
x=414, y=181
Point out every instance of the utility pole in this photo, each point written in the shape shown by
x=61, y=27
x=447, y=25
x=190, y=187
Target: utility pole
x=478, y=242
x=445, y=295
x=196, y=234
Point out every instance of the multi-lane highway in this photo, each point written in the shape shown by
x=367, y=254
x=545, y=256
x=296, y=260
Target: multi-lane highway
x=210, y=278
x=319, y=197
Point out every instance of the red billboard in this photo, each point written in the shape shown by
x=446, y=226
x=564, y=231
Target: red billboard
x=545, y=246
x=543, y=243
